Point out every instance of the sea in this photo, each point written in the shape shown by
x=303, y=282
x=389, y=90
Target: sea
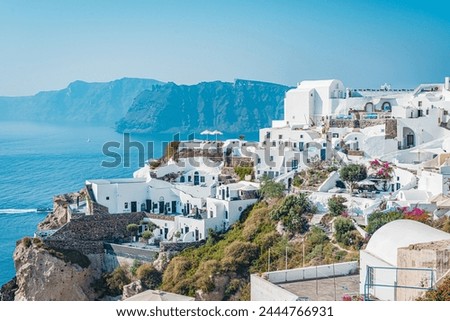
x=39, y=160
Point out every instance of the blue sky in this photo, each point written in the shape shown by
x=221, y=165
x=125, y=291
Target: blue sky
x=47, y=44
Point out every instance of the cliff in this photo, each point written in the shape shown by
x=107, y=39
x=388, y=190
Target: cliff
x=46, y=274
x=81, y=102
x=239, y=107
x=60, y=215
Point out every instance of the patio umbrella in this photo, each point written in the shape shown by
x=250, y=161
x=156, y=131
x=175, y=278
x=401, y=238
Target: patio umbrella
x=216, y=132
x=206, y=132
x=365, y=182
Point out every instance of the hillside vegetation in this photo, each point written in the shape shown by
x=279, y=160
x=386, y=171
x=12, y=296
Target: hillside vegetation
x=220, y=270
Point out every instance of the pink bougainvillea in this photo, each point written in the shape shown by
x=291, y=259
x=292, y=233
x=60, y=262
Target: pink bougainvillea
x=381, y=170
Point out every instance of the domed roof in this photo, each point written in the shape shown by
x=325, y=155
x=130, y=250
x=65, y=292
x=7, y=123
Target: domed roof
x=401, y=233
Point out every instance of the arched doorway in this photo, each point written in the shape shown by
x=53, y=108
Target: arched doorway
x=196, y=178
x=408, y=138
x=368, y=108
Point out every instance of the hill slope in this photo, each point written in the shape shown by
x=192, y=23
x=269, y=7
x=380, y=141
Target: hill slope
x=242, y=106
x=81, y=102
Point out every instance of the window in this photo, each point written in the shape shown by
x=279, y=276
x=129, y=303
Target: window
x=280, y=136
x=259, y=172
x=202, y=179
x=182, y=179
x=189, y=178
x=295, y=145
x=107, y=198
x=324, y=144
x=240, y=208
x=419, y=103
x=398, y=178
x=268, y=135
x=226, y=215
x=427, y=112
x=258, y=161
x=271, y=158
x=274, y=143
x=335, y=135
x=125, y=205
x=301, y=136
x=211, y=213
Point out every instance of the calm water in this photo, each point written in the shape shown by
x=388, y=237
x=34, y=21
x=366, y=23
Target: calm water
x=38, y=161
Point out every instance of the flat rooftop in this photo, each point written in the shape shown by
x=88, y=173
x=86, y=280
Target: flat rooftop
x=326, y=289
x=116, y=181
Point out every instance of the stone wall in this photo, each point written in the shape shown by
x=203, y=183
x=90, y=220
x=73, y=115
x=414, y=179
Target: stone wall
x=363, y=123
x=433, y=255
x=178, y=246
x=135, y=253
x=88, y=233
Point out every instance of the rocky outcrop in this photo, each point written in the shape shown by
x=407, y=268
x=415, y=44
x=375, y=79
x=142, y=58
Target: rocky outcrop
x=60, y=214
x=7, y=291
x=132, y=289
x=44, y=274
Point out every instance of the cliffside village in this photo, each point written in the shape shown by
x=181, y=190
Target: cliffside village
x=194, y=189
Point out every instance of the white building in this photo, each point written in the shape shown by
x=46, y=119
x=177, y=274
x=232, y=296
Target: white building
x=399, y=257
x=191, y=204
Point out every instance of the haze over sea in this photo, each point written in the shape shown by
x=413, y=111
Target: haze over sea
x=38, y=161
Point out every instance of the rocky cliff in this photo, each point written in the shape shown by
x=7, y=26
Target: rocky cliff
x=239, y=107
x=46, y=274
x=60, y=215
x=81, y=102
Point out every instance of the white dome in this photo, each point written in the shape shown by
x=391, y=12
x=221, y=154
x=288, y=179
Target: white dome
x=401, y=233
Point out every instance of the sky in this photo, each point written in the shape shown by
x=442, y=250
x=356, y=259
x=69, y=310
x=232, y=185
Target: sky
x=46, y=44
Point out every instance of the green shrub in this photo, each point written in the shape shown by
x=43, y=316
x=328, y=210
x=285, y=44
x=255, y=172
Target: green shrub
x=242, y=171
x=336, y=205
x=150, y=277
x=116, y=280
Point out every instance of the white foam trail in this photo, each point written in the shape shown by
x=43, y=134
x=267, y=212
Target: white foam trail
x=18, y=210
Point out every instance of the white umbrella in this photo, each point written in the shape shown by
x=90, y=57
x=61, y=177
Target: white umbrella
x=365, y=182
x=206, y=132
x=216, y=132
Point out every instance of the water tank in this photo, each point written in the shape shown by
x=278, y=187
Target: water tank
x=447, y=83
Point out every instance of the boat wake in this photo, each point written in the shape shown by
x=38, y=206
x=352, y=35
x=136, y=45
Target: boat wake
x=18, y=210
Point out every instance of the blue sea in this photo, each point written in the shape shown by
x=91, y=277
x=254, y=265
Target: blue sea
x=38, y=161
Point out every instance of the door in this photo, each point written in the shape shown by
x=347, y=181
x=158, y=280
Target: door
x=161, y=207
x=133, y=207
x=174, y=206
x=196, y=178
x=148, y=205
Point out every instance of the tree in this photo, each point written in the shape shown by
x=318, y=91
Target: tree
x=336, y=205
x=132, y=228
x=271, y=189
x=147, y=235
x=353, y=173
